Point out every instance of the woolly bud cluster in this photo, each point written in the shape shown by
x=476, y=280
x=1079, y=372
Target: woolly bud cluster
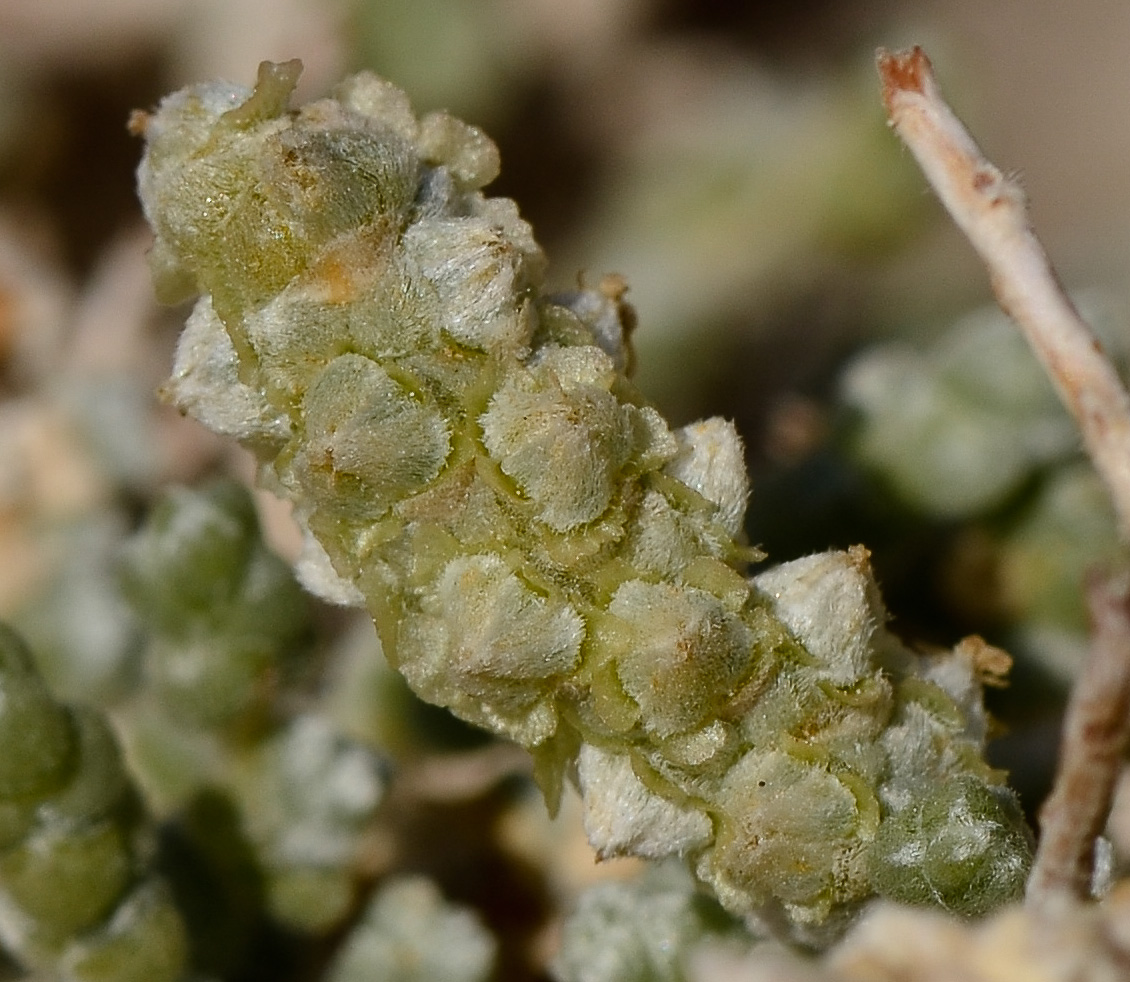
x=539, y=550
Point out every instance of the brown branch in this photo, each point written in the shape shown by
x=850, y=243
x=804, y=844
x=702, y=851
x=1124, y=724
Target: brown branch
x=991, y=211
x=1095, y=735
x=455, y=777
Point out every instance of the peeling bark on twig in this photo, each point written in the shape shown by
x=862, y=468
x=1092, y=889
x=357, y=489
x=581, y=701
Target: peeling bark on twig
x=1095, y=734
x=991, y=211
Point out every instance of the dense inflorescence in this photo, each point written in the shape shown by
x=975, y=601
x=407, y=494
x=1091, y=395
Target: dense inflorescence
x=540, y=552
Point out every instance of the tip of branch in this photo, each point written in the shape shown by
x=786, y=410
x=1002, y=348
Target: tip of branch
x=903, y=71
x=138, y=122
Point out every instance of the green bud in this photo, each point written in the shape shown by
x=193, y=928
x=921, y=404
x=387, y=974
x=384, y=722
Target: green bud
x=36, y=733
x=144, y=941
x=221, y=608
x=190, y=558
x=68, y=879
x=684, y=653
x=959, y=846
x=100, y=784
x=488, y=643
x=366, y=433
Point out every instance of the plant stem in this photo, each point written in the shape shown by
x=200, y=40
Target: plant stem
x=1095, y=734
x=990, y=209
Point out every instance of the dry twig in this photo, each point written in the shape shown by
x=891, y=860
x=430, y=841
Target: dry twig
x=990, y=210
x=1095, y=735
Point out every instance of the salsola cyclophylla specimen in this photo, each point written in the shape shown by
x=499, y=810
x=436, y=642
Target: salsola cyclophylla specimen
x=539, y=551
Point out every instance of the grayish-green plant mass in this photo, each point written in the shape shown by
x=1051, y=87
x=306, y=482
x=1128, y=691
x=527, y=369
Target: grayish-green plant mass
x=76, y=898
x=643, y=930
x=968, y=430
x=540, y=552
x=956, y=428
x=225, y=621
x=409, y=933
x=220, y=611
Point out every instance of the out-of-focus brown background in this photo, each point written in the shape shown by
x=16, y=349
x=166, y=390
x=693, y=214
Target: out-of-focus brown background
x=726, y=156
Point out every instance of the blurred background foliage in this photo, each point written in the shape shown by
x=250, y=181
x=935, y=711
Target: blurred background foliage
x=789, y=270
